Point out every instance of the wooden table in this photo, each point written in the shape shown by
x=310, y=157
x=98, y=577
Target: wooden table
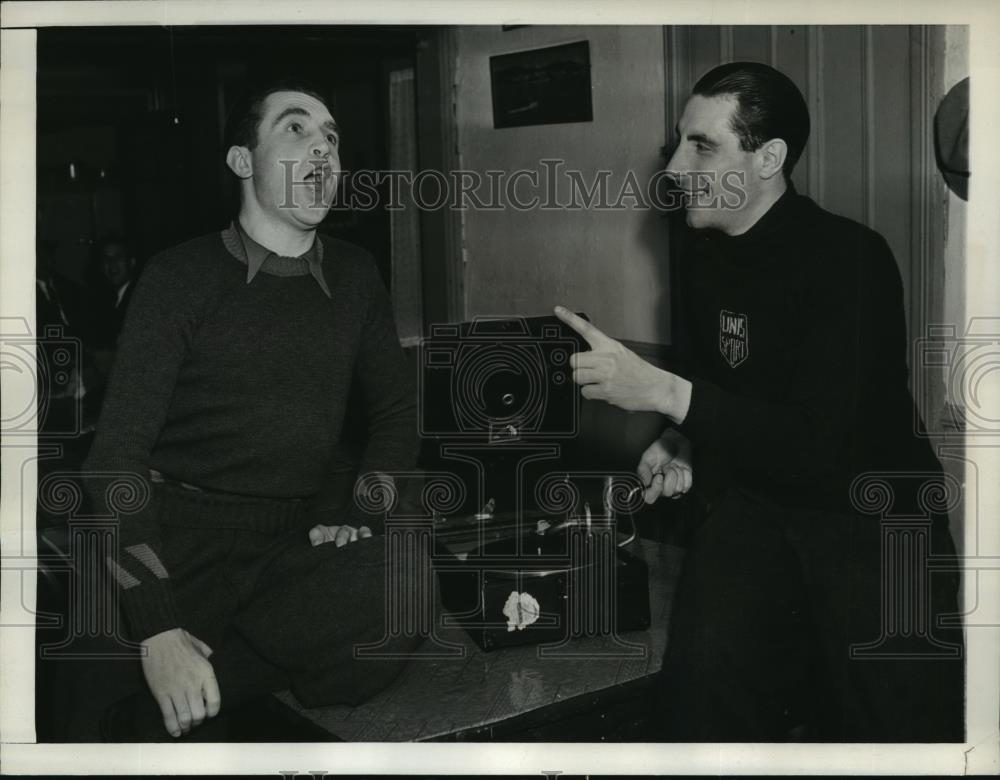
x=518, y=693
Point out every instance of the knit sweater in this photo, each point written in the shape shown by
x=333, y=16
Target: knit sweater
x=796, y=348
x=240, y=389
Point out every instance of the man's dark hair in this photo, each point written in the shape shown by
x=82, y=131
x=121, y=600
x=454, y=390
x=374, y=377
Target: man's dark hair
x=243, y=120
x=769, y=106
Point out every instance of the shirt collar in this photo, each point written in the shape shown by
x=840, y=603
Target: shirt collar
x=121, y=293
x=258, y=257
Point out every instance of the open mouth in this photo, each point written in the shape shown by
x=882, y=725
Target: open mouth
x=319, y=181
x=318, y=172
x=693, y=196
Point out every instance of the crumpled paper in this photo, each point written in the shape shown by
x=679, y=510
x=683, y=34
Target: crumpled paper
x=521, y=610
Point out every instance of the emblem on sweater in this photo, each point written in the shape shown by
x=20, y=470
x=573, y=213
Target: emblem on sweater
x=733, y=342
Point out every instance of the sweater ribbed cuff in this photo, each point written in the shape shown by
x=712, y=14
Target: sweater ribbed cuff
x=150, y=609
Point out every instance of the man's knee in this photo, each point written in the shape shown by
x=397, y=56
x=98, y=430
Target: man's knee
x=329, y=600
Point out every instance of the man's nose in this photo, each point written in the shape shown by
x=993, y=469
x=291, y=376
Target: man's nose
x=320, y=146
x=677, y=168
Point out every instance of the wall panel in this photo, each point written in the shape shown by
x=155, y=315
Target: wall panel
x=843, y=140
x=752, y=42
x=707, y=50
x=791, y=56
x=891, y=137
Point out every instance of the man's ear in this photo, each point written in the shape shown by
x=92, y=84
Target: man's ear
x=771, y=157
x=238, y=160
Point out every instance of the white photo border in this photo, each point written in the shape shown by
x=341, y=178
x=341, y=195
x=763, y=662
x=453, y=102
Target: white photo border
x=19, y=753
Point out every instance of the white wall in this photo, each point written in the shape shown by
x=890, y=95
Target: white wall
x=610, y=264
x=956, y=68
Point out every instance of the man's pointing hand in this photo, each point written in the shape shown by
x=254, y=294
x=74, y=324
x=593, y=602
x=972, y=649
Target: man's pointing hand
x=613, y=373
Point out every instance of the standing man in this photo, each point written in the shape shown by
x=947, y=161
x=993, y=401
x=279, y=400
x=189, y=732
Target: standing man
x=795, y=384
x=116, y=264
x=227, y=400
x=118, y=267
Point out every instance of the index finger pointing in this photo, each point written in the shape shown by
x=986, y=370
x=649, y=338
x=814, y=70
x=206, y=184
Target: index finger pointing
x=593, y=336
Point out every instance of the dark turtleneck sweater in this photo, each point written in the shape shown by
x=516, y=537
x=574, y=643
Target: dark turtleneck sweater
x=796, y=348
x=239, y=386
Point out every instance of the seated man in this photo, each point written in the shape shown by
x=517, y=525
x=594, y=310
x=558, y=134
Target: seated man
x=227, y=400
x=795, y=389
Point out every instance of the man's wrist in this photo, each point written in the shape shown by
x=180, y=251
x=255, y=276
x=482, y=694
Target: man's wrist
x=674, y=397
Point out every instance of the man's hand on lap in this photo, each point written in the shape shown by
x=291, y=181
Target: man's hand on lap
x=338, y=534
x=181, y=679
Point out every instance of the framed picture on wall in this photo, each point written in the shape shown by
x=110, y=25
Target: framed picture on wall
x=542, y=86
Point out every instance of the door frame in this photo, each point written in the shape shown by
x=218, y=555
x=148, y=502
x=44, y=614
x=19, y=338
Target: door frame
x=437, y=149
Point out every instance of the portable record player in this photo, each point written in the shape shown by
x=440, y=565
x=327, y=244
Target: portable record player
x=499, y=411
x=525, y=578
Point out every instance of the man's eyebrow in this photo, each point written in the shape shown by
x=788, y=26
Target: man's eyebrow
x=700, y=138
x=290, y=111
x=299, y=111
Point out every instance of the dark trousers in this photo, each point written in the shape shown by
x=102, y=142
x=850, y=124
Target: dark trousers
x=279, y=613
x=772, y=602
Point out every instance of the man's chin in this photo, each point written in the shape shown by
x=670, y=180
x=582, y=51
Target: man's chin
x=311, y=216
x=695, y=219
x=702, y=219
